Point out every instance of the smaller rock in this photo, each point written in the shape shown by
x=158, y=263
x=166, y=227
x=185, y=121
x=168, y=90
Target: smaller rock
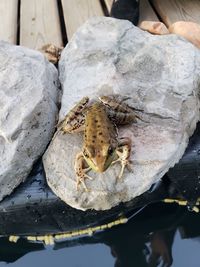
x=51, y=52
x=154, y=27
x=189, y=30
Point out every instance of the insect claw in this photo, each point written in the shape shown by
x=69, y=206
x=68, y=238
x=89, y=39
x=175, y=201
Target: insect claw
x=121, y=172
x=89, y=177
x=115, y=161
x=83, y=183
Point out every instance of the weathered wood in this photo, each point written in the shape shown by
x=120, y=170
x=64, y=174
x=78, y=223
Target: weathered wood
x=109, y=4
x=8, y=20
x=146, y=12
x=39, y=23
x=76, y=12
x=171, y=11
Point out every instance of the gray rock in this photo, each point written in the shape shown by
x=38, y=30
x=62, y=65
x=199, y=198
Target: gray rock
x=161, y=75
x=28, y=97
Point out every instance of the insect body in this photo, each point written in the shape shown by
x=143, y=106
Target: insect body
x=101, y=145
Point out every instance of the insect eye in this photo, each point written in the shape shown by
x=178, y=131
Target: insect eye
x=85, y=154
x=110, y=150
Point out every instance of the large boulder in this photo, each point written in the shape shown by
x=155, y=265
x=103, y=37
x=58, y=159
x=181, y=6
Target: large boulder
x=28, y=109
x=160, y=74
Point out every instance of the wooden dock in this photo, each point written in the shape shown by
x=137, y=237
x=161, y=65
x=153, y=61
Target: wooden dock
x=39, y=22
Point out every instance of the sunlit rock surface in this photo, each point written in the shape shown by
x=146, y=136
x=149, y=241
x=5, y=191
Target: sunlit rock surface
x=28, y=97
x=161, y=75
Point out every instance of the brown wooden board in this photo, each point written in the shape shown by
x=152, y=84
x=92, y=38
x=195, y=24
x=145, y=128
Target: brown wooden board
x=172, y=11
x=39, y=23
x=146, y=12
x=8, y=20
x=76, y=12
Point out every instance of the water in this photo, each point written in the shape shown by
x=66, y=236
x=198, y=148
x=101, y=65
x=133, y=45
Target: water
x=88, y=255
x=161, y=235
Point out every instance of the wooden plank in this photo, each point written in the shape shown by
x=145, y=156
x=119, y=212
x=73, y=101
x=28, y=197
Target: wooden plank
x=39, y=23
x=109, y=4
x=146, y=12
x=8, y=20
x=171, y=11
x=76, y=12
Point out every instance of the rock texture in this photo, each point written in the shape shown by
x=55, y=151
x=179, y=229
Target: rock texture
x=189, y=30
x=154, y=27
x=28, y=97
x=160, y=74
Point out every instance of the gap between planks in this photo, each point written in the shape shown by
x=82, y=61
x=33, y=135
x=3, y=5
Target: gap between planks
x=109, y=4
x=147, y=12
x=39, y=23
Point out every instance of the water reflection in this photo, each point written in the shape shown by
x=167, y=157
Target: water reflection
x=11, y=252
x=145, y=241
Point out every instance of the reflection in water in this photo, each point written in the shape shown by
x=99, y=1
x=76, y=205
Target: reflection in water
x=145, y=241
x=147, y=250
x=10, y=252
